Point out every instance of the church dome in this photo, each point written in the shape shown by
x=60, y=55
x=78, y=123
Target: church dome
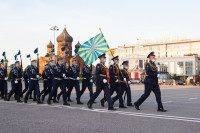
x=64, y=36
x=50, y=45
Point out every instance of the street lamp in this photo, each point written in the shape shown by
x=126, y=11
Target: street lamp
x=54, y=28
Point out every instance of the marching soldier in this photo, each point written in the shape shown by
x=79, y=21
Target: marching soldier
x=45, y=76
x=74, y=73
x=101, y=84
x=33, y=75
x=87, y=80
x=3, y=80
x=115, y=75
x=125, y=84
x=16, y=82
x=49, y=77
x=67, y=79
x=58, y=81
x=26, y=80
x=151, y=84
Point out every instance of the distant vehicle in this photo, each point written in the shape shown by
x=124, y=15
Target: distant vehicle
x=137, y=81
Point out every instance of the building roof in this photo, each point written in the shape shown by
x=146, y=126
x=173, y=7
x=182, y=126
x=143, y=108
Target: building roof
x=64, y=36
x=50, y=45
x=78, y=45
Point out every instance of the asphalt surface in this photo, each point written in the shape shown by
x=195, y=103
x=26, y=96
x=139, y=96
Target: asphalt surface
x=182, y=103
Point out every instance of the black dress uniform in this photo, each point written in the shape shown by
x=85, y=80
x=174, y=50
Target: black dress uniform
x=48, y=76
x=74, y=74
x=3, y=83
x=115, y=75
x=45, y=77
x=87, y=81
x=101, y=76
x=151, y=84
x=26, y=80
x=33, y=75
x=58, y=81
x=125, y=86
x=16, y=83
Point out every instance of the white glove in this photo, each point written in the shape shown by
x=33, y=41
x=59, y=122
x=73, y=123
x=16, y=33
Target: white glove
x=158, y=75
x=28, y=80
x=16, y=81
x=104, y=81
x=78, y=78
x=117, y=81
x=64, y=75
x=22, y=79
x=38, y=76
x=129, y=82
x=91, y=80
x=124, y=79
x=6, y=78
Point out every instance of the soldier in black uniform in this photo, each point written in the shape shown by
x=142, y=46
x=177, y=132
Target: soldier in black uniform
x=26, y=80
x=87, y=80
x=125, y=84
x=115, y=78
x=33, y=75
x=67, y=80
x=3, y=80
x=49, y=76
x=101, y=84
x=58, y=81
x=46, y=77
x=16, y=82
x=74, y=76
x=151, y=84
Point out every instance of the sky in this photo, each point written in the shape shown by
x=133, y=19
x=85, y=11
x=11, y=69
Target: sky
x=25, y=24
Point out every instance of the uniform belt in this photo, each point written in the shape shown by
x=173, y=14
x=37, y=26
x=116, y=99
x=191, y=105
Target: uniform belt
x=116, y=76
x=84, y=78
x=17, y=78
x=58, y=78
x=33, y=78
x=102, y=75
x=73, y=78
x=122, y=81
x=45, y=79
x=66, y=78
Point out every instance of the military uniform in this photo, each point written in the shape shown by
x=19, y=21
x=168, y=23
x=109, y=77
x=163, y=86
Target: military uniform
x=101, y=76
x=33, y=75
x=115, y=78
x=58, y=81
x=74, y=76
x=125, y=86
x=48, y=76
x=87, y=81
x=16, y=83
x=26, y=80
x=151, y=84
x=3, y=83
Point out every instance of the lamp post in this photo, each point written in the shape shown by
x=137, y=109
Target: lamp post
x=54, y=28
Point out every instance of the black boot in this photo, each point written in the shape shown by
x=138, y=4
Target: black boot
x=25, y=100
x=34, y=99
x=112, y=108
x=18, y=99
x=8, y=98
x=102, y=103
x=54, y=100
x=15, y=96
x=38, y=100
x=30, y=97
x=43, y=98
x=65, y=103
x=161, y=110
x=89, y=106
x=49, y=101
x=69, y=100
x=2, y=96
x=122, y=106
x=5, y=98
x=78, y=101
x=136, y=106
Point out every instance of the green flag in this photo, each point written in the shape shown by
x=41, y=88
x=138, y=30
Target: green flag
x=36, y=51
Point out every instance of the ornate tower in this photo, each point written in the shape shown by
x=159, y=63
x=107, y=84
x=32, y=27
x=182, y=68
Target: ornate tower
x=50, y=46
x=64, y=39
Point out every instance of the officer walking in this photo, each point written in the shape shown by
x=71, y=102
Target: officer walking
x=49, y=80
x=87, y=80
x=101, y=83
x=58, y=81
x=67, y=80
x=125, y=84
x=3, y=80
x=74, y=75
x=26, y=80
x=16, y=82
x=45, y=76
x=151, y=84
x=115, y=76
x=33, y=75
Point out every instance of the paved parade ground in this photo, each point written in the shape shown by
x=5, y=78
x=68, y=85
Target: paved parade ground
x=182, y=103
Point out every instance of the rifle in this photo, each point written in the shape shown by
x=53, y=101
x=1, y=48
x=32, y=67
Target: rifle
x=21, y=66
